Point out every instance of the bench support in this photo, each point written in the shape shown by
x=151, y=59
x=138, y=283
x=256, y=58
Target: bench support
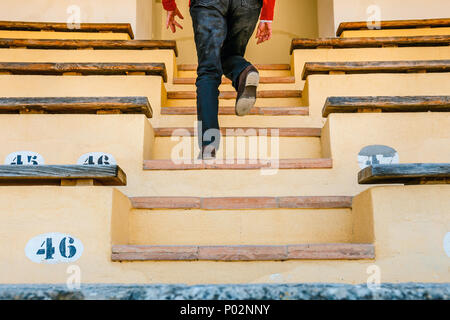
x=79, y=182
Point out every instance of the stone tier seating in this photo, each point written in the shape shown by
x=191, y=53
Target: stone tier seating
x=220, y=224
x=111, y=175
x=395, y=24
x=386, y=104
x=409, y=173
x=77, y=105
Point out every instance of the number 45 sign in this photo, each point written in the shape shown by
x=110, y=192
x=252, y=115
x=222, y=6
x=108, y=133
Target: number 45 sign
x=52, y=248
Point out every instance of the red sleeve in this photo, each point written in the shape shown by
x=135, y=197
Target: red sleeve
x=169, y=5
x=268, y=10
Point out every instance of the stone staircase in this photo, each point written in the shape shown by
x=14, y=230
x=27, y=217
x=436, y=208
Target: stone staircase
x=282, y=201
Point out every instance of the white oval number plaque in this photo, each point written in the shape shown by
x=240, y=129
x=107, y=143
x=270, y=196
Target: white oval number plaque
x=24, y=158
x=447, y=244
x=377, y=154
x=97, y=158
x=53, y=248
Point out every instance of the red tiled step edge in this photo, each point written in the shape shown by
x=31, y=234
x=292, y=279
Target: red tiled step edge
x=261, y=111
x=241, y=131
x=240, y=203
x=228, y=81
x=233, y=94
x=244, y=164
x=328, y=251
x=193, y=67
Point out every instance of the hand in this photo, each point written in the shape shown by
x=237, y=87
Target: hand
x=171, y=22
x=264, y=32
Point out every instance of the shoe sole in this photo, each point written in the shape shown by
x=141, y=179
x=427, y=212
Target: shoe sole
x=246, y=102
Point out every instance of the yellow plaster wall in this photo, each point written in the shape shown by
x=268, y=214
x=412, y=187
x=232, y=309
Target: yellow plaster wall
x=293, y=19
x=240, y=227
x=357, y=10
x=319, y=87
x=408, y=242
x=396, y=32
x=409, y=225
x=136, y=12
x=365, y=54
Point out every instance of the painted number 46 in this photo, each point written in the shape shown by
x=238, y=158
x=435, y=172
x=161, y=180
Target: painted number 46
x=52, y=248
x=66, y=248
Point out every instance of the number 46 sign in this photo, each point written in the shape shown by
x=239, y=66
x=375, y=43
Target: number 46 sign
x=52, y=248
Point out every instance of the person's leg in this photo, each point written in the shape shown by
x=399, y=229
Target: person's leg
x=210, y=31
x=242, y=19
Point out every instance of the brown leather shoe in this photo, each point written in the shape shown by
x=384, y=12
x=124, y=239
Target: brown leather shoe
x=246, y=95
x=207, y=153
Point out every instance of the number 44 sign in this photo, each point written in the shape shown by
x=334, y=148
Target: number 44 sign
x=52, y=248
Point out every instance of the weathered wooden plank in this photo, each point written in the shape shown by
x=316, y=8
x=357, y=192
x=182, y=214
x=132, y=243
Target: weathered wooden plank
x=42, y=68
x=409, y=173
x=242, y=131
x=240, y=164
x=331, y=251
x=54, y=174
x=193, y=67
x=370, y=42
x=76, y=105
x=241, y=203
x=65, y=27
x=326, y=251
x=394, y=24
x=262, y=111
x=362, y=67
x=233, y=94
x=386, y=104
x=276, y=80
x=90, y=44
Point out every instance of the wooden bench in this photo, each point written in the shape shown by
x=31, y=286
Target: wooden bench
x=66, y=175
x=77, y=105
x=43, y=68
x=64, y=27
x=386, y=104
x=409, y=173
x=394, y=24
x=365, y=67
x=90, y=44
x=379, y=42
x=325, y=251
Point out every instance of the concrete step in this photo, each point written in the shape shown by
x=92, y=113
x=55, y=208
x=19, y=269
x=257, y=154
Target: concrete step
x=230, y=102
x=240, y=220
x=262, y=111
x=237, y=164
x=228, y=87
x=265, y=80
x=233, y=94
x=328, y=251
x=239, y=147
x=265, y=70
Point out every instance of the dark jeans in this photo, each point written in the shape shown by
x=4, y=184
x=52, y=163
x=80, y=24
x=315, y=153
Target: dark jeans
x=222, y=29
